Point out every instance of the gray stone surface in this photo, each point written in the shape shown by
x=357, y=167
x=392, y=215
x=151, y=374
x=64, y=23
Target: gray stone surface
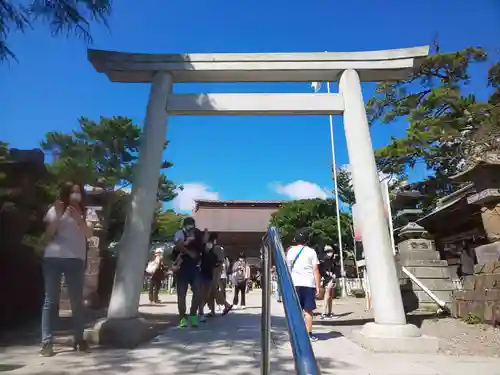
x=120, y=333
x=385, y=65
x=230, y=345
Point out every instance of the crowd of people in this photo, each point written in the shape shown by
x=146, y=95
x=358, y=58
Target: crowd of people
x=198, y=263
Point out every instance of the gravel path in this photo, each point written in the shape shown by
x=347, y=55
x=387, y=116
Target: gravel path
x=456, y=337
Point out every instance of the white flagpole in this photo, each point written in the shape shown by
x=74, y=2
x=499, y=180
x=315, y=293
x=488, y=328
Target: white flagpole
x=339, y=229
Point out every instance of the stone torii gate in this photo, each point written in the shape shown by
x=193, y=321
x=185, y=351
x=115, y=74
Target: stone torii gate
x=390, y=330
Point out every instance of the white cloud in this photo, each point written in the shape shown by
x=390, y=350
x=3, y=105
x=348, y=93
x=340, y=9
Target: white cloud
x=194, y=190
x=301, y=189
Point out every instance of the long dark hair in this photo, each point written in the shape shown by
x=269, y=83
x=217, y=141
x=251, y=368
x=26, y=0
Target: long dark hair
x=65, y=192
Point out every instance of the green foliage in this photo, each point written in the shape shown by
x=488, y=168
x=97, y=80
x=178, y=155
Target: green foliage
x=4, y=155
x=166, y=223
x=472, y=319
x=100, y=154
x=494, y=81
x=119, y=203
x=445, y=125
x=345, y=188
x=319, y=215
x=62, y=17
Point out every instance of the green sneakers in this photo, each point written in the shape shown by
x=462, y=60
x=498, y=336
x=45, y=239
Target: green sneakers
x=194, y=321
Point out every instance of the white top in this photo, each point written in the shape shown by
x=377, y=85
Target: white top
x=68, y=241
x=303, y=270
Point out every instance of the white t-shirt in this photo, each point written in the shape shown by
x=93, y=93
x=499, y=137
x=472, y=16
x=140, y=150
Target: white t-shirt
x=68, y=241
x=303, y=270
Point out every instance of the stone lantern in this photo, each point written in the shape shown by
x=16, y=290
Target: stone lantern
x=417, y=253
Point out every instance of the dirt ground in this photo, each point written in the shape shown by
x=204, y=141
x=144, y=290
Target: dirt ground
x=455, y=336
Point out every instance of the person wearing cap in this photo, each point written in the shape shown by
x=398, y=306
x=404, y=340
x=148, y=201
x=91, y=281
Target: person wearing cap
x=189, y=246
x=303, y=263
x=157, y=276
x=327, y=271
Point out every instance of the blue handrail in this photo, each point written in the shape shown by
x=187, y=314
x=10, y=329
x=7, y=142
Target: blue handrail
x=305, y=361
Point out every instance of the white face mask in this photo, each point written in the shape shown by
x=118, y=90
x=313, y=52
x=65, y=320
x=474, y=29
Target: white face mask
x=210, y=245
x=75, y=197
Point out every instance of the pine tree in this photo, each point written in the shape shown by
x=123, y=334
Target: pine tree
x=446, y=126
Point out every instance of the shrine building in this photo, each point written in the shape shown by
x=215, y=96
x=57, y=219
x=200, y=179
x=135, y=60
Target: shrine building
x=240, y=224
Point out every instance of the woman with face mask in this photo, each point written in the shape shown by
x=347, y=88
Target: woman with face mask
x=65, y=240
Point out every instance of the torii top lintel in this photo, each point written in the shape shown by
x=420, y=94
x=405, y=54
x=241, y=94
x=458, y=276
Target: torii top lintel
x=372, y=66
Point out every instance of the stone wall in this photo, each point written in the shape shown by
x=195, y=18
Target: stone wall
x=481, y=295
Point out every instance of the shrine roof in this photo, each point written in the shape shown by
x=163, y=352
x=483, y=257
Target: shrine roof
x=372, y=66
x=447, y=205
x=488, y=160
x=235, y=216
x=238, y=203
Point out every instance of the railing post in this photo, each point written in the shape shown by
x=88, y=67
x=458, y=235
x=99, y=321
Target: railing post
x=265, y=326
x=303, y=354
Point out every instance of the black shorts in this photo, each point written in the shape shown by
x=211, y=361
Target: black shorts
x=307, y=297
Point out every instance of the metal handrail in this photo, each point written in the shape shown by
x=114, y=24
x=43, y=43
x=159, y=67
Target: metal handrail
x=305, y=361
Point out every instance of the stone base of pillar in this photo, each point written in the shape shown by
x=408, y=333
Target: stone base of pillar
x=405, y=338
x=120, y=333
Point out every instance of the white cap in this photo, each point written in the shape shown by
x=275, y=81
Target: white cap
x=328, y=248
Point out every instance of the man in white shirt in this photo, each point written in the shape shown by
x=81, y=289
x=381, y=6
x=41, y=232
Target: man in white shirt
x=304, y=268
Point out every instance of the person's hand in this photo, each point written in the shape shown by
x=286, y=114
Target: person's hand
x=59, y=207
x=318, y=292
x=74, y=213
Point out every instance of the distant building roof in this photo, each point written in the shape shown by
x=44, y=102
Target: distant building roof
x=237, y=203
x=234, y=215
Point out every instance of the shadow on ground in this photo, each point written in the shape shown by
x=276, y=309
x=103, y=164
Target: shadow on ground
x=417, y=318
x=229, y=344
x=29, y=335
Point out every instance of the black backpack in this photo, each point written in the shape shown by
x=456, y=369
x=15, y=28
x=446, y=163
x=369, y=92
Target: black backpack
x=197, y=244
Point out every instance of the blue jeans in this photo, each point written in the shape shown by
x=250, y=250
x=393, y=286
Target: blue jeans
x=74, y=272
x=183, y=283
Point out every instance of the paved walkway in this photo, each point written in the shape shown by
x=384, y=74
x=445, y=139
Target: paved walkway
x=231, y=345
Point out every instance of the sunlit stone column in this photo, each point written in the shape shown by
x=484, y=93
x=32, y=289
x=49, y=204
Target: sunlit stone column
x=135, y=240
x=384, y=285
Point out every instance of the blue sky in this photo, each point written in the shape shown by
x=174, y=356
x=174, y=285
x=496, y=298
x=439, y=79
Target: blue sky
x=230, y=157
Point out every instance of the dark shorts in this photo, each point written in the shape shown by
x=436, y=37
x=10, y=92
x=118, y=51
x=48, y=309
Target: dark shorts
x=307, y=297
